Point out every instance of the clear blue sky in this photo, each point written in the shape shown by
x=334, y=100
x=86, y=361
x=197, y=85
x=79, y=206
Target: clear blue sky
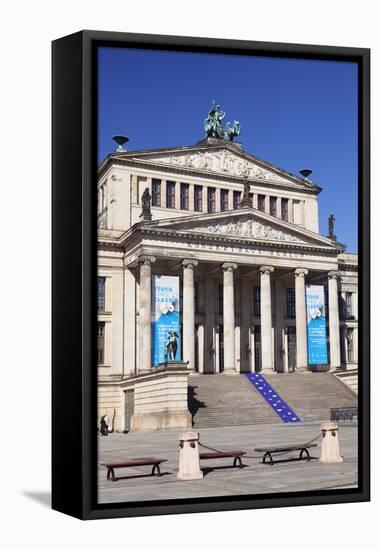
x=294, y=113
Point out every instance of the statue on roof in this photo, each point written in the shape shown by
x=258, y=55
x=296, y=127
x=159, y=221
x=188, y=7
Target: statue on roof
x=146, y=205
x=213, y=124
x=331, y=221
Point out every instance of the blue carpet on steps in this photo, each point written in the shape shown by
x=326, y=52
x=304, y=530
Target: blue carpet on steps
x=272, y=397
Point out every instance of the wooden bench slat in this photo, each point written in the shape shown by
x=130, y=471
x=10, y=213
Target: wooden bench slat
x=284, y=448
x=134, y=462
x=231, y=454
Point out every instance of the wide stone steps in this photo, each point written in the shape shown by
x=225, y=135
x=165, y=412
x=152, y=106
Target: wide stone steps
x=312, y=395
x=221, y=400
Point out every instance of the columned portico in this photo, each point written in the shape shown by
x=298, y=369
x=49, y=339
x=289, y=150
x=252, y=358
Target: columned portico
x=301, y=320
x=145, y=313
x=189, y=312
x=229, y=318
x=266, y=319
x=334, y=320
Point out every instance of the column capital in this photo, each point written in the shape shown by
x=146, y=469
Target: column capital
x=229, y=266
x=334, y=275
x=300, y=272
x=190, y=263
x=145, y=259
x=266, y=269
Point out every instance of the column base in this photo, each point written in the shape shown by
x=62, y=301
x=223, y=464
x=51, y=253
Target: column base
x=303, y=369
x=229, y=372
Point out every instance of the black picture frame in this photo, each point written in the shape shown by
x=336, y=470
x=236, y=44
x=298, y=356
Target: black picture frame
x=74, y=440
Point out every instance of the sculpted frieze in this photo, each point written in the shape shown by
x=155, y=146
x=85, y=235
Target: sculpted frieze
x=223, y=161
x=252, y=229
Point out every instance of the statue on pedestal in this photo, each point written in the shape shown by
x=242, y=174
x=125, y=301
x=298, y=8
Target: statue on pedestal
x=246, y=199
x=146, y=205
x=331, y=221
x=213, y=125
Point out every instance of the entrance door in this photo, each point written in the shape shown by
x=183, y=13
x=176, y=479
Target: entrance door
x=291, y=349
x=221, y=346
x=257, y=349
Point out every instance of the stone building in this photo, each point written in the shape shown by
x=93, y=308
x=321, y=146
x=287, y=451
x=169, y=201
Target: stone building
x=243, y=236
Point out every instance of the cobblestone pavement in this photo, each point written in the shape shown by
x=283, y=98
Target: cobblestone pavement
x=220, y=479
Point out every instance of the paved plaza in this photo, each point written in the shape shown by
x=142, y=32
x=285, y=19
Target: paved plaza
x=220, y=479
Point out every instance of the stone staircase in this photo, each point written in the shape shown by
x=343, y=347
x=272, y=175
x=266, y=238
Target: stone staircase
x=312, y=395
x=219, y=400
x=350, y=378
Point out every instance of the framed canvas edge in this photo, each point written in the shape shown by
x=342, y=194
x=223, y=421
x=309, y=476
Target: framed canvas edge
x=84, y=380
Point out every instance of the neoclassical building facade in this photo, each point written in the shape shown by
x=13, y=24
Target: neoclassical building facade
x=243, y=237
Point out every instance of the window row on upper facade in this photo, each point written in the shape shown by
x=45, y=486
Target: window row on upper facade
x=211, y=199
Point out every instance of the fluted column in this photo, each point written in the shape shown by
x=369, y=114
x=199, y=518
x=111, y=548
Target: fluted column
x=229, y=318
x=189, y=312
x=145, y=313
x=266, y=319
x=334, y=320
x=301, y=320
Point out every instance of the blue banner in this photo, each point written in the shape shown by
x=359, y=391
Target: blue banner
x=316, y=325
x=166, y=325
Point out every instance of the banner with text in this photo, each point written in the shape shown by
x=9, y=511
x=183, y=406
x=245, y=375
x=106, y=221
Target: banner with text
x=166, y=325
x=316, y=325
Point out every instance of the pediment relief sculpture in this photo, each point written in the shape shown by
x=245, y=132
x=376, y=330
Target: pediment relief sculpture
x=252, y=229
x=223, y=161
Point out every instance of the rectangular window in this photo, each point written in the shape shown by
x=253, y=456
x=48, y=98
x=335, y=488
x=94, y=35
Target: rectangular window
x=285, y=210
x=291, y=302
x=273, y=206
x=100, y=293
x=236, y=199
x=170, y=194
x=100, y=342
x=184, y=196
x=261, y=202
x=211, y=200
x=224, y=196
x=220, y=299
x=348, y=305
x=198, y=198
x=257, y=301
x=155, y=192
x=350, y=345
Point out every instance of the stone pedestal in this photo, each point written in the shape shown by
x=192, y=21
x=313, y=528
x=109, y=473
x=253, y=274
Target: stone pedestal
x=330, y=448
x=160, y=398
x=189, y=462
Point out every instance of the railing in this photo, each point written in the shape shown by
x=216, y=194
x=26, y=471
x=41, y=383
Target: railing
x=343, y=413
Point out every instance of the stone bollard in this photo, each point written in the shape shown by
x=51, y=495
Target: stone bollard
x=189, y=462
x=330, y=447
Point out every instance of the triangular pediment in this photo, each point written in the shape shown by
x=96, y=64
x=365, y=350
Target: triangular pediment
x=246, y=224
x=226, y=160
